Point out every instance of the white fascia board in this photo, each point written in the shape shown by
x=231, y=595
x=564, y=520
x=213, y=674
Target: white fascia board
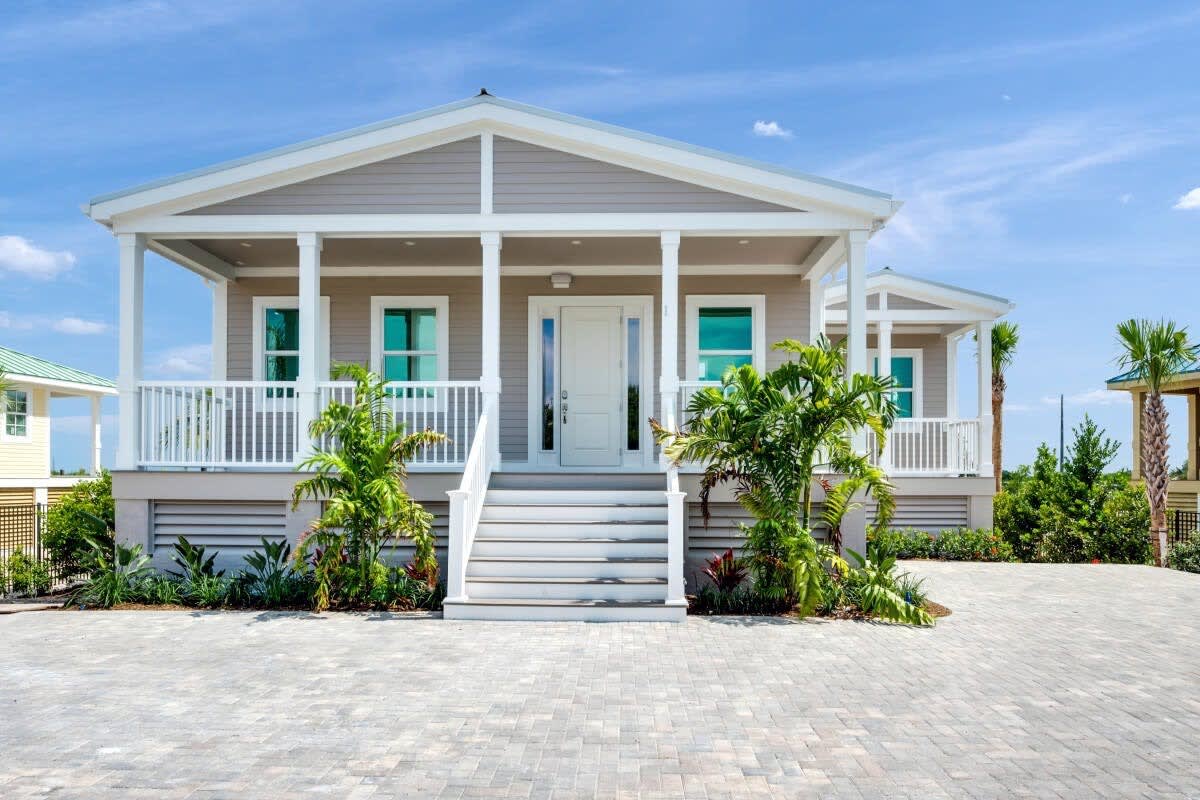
x=779, y=223
x=195, y=258
x=927, y=316
x=985, y=306
x=63, y=388
x=458, y=121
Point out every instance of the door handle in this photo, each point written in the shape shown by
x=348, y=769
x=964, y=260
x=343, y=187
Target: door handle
x=564, y=413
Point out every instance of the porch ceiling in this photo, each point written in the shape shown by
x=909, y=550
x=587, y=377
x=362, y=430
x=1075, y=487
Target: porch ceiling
x=518, y=251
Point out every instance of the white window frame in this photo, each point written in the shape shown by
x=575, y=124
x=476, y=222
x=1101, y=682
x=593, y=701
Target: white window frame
x=758, y=326
x=918, y=393
x=28, y=435
x=261, y=304
x=440, y=304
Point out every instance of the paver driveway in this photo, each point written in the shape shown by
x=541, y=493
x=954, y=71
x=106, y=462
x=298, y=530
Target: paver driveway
x=1047, y=681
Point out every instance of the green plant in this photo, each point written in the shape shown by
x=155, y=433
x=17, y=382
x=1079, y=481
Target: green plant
x=1121, y=535
x=362, y=482
x=1152, y=353
x=71, y=521
x=116, y=574
x=27, y=575
x=192, y=561
x=1186, y=555
x=207, y=591
x=269, y=579
x=766, y=435
x=158, y=590
x=971, y=544
x=871, y=584
x=401, y=591
x=907, y=543
x=1004, y=350
x=725, y=570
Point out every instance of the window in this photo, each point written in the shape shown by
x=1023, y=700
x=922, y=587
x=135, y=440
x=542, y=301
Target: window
x=277, y=342
x=409, y=338
x=724, y=331
x=16, y=413
x=633, y=382
x=548, y=383
x=906, y=372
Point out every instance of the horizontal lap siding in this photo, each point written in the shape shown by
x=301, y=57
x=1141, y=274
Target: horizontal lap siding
x=29, y=458
x=933, y=514
x=720, y=534
x=529, y=178
x=231, y=529
x=440, y=180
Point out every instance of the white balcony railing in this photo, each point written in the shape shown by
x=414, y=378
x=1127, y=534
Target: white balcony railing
x=254, y=424
x=920, y=446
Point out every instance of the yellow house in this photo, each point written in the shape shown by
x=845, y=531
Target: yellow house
x=1183, y=494
x=25, y=464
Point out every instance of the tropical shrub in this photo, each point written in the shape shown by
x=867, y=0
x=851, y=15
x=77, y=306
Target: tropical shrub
x=199, y=583
x=158, y=590
x=26, y=575
x=361, y=480
x=871, y=584
x=725, y=570
x=906, y=543
x=971, y=544
x=269, y=579
x=1186, y=555
x=766, y=435
x=70, y=523
x=116, y=575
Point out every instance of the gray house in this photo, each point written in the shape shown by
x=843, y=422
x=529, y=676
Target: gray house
x=537, y=286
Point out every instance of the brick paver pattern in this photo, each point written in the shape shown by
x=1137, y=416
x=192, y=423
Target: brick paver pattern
x=1047, y=681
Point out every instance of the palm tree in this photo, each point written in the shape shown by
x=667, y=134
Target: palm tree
x=766, y=435
x=361, y=478
x=1004, y=349
x=1152, y=353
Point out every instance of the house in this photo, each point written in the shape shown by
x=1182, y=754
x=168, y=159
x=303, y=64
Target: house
x=1183, y=494
x=538, y=286
x=25, y=464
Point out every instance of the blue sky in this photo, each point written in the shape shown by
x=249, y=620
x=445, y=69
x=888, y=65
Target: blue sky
x=1044, y=150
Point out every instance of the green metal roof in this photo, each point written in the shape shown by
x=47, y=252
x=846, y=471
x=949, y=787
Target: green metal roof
x=18, y=364
x=1132, y=374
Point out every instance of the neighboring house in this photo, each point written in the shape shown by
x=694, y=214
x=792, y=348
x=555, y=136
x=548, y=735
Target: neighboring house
x=1184, y=494
x=538, y=286
x=25, y=465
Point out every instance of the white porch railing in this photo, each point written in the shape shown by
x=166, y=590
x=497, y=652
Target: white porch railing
x=920, y=446
x=254, y=424
x=466, y=504
x=930, y=446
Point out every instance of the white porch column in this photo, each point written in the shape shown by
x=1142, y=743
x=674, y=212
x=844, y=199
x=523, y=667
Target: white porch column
x=129, y=359
x=983, y=333
x=310, y=338
x=668, y=381
x=816, y=310
x=885, y=371
x=490, y=331
x=96, y=434
x=952, y=376
x=856, y=312
x=220, y=329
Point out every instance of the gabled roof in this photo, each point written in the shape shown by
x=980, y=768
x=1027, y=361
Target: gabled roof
x=943, y=294
x=475, y=113
x=18, y=366
x=1131, y=377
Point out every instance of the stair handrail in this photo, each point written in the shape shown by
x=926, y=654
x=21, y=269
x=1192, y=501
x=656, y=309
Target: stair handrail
x=466, y=504
x=675, y=537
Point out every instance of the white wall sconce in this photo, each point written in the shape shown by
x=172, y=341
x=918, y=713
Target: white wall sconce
x=561, y=280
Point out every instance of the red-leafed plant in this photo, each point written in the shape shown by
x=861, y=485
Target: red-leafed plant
x=726, y=571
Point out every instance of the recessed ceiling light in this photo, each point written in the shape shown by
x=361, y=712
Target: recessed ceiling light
x=743, y=241
x=409, y=244
x=240, y=263
x=245, y=244
x=576, y=241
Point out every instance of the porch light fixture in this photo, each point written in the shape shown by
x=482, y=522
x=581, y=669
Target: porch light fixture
x=561, y=280
x=743, y=241
x=576, y=241
x=409, y=244
x=245, y=244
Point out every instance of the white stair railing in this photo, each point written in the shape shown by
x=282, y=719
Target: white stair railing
x=930, y=446
x=466, y=505
x=676, y=522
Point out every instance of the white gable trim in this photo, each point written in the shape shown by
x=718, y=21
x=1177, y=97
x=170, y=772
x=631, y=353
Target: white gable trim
x=471, y=118
x=960, y=304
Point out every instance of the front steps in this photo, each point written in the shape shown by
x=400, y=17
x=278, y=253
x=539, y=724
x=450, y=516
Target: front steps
x=570, y=547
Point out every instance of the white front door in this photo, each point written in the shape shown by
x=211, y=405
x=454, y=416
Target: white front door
x=590, y=407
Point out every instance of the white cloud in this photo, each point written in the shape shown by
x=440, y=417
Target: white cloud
x=771, y=129
x=10, y=323
x=1125, y=198
x=18, y=254
x=1006, y=98
x=1189, y=201
x=1094, y=397
x=186, y=361
x=79, y=327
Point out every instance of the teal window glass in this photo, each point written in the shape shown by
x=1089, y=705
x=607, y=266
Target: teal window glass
x=633, y=382
x=410, y=347
x=281, y=348
x=726, y=340
x=548, y=384
x=16, y=412
x=903, y=374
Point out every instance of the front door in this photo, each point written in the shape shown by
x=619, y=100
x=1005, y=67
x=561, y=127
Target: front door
x=590, y=407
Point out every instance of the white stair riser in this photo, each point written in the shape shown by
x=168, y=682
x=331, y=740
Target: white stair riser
x=560, y=513
x=571, y=530
x=653, y=613
x=578, y=549
x=567, y=569
x=624, y=592
x=574, y=497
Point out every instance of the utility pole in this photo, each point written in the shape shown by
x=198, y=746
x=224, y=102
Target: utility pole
x=1061, y=433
